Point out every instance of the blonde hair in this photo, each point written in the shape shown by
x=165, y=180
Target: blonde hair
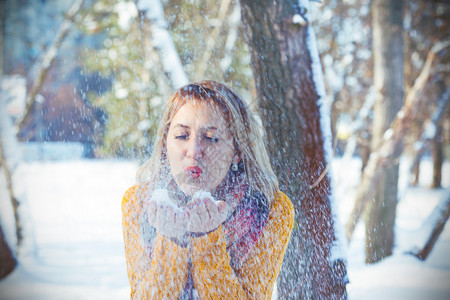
x=244, y=129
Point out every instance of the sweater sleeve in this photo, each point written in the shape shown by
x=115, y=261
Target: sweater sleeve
x=160, y=275
x=211, y=271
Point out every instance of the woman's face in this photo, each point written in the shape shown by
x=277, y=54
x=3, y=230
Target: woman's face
x=200, y=147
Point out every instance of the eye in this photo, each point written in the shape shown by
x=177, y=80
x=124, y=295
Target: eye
x=182, y=137
x=212, y=139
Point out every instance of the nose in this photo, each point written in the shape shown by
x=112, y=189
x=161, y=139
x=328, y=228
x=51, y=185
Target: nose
x=194, y=148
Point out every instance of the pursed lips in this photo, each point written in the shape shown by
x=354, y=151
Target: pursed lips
x=194, y=171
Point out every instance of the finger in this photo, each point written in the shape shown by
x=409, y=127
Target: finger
x=161, y=218
x=222, y=207
x=194, y=204
x=215, y=216
x=209, y=215
x=190, y=205
x=152, y=211
x=150, y=206
x=172, y=225
x=211, y=207
x=203, y=211
x=218, y=213
x=197, y=202
x=179, y=215
x=180, y=223
x=194, y=222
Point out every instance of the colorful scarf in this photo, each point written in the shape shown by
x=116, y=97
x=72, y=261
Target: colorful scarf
x=248, y=214
x=243, y=229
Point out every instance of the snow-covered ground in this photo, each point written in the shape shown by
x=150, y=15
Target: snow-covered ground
x=73, y=246
x=401, y=276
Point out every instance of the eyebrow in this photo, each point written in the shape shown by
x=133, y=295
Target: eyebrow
x=187, y=127
x=181, y=125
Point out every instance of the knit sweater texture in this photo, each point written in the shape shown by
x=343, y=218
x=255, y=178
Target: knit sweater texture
x=162, y=272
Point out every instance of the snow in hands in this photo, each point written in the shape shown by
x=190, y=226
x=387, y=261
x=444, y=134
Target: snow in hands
x=161, y=197
x=192, y=218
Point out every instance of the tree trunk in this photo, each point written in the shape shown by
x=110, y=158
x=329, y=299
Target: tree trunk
x=364, y=154
x=438, y=158
x=415, y=170
x=388, y=81
x=290, y=89
x=10, y=155
x=431, y=132
x=7, y=260
x=334, y=119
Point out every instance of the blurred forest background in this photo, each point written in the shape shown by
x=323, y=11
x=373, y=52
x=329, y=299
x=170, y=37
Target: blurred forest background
x=94, y=74
x=106, y=83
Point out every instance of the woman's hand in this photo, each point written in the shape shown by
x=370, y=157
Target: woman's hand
x=167, y=219
x=205, y=214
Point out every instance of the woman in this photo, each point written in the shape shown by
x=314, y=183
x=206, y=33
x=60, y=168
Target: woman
x=207, y=219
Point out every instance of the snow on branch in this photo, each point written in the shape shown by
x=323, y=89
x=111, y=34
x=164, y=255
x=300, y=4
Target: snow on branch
x=162, y=41
x=390, y=148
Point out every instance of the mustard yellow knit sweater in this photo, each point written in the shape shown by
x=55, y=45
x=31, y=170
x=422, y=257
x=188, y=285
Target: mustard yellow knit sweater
x=165, y=274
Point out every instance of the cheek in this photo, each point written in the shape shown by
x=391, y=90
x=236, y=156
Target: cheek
x=220, y=160
x=174, y=153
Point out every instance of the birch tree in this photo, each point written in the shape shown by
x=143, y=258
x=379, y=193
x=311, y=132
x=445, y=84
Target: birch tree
x=388, y=81
x=296, y=121
x=9, y=162
x=7, y=259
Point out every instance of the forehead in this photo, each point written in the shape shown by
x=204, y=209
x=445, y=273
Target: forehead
x=201, y=113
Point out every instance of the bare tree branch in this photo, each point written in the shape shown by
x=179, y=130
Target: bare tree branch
x=390, y=148
x=212, y=39
x=437, y=219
